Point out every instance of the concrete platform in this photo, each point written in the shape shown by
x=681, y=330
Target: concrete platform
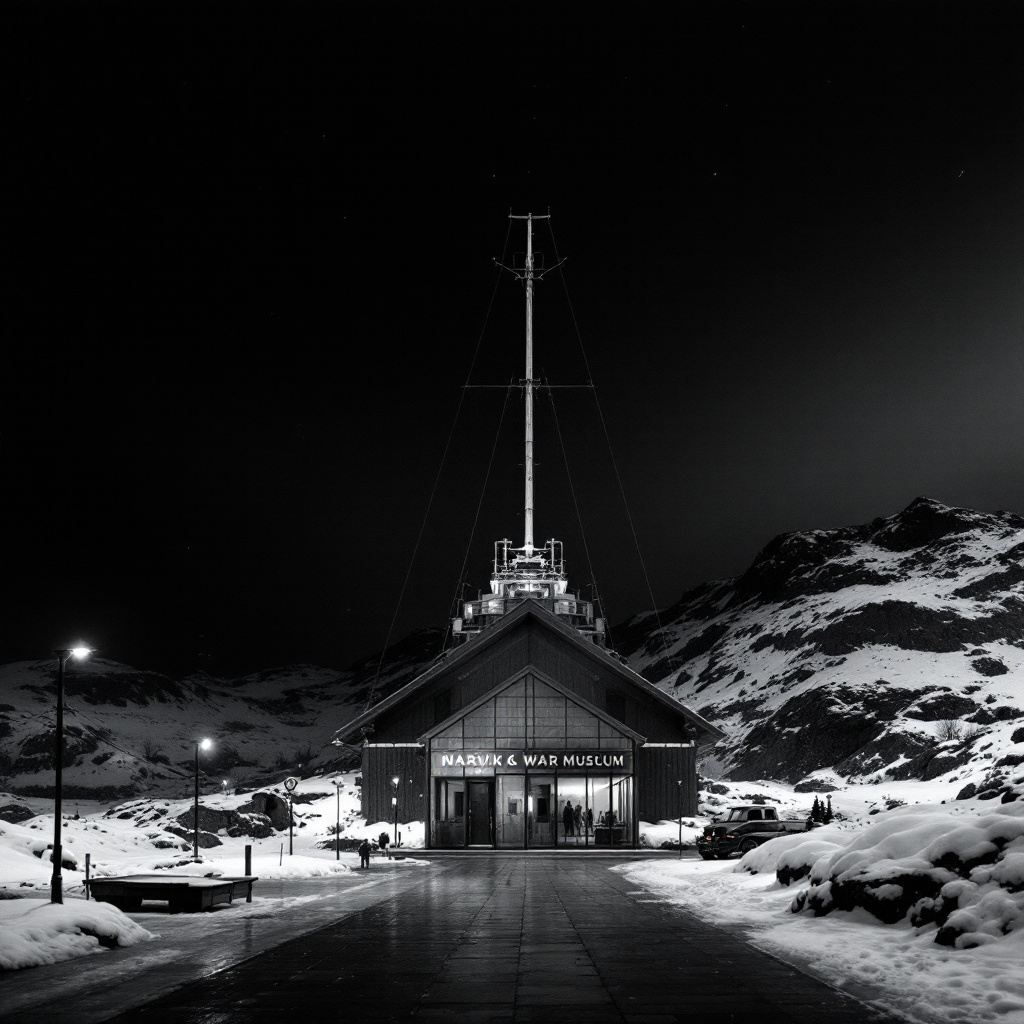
x=504, y=940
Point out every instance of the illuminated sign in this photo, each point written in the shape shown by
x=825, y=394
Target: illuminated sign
x=454, y=762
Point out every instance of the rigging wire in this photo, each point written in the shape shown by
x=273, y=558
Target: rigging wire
x=483, y=491
x=579, y=517
x=102, y=734
x=437, y=478
x=611, y=453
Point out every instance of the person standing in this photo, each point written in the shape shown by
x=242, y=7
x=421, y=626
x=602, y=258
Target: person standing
x=567, y=818
x=364, y=854
x=577, y=818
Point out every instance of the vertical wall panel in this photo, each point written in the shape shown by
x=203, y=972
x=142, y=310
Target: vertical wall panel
x=659, y=770
x=380, y=765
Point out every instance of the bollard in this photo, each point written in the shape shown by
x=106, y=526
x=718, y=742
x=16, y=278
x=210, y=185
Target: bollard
x=248, y=870
x=280, y=860
x=87, y=858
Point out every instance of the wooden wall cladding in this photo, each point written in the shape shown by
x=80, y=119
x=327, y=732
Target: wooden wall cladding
x=658, y=772
x=380, y=766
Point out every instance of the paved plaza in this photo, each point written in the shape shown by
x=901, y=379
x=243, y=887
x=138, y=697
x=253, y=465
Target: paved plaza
x=506, y=939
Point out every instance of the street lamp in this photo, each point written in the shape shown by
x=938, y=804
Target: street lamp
x=337, y=821
x=200, y=745
x=394, y=804
x=56, y=882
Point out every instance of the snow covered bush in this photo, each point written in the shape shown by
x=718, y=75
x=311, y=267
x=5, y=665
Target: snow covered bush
x=791, y=856
x=963, y=873
x=799, y=859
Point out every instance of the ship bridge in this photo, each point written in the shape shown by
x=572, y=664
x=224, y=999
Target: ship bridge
x=529, y=574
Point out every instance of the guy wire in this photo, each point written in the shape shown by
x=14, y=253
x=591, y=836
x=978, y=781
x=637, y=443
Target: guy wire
x=579, y=517
x=479, y=505
x=437, y=478
x=611, y=453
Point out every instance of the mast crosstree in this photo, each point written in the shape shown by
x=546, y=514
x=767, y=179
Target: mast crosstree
x=529, y=572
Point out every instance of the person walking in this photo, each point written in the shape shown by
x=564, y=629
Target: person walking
x=364, y=854
x=567, y=818
x=577, y=818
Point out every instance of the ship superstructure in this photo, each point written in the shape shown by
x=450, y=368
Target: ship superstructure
x=530, y=572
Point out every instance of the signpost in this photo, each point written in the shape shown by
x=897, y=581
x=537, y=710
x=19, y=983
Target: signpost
x=337, y=821
x=290, y=785
x=679, y=808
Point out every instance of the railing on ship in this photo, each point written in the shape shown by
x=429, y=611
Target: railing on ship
x=501, y=605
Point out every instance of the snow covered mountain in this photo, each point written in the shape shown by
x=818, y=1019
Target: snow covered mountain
x=893, y=648
x=129, y=731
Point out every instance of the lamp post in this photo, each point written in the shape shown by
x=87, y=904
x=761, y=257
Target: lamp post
x=200, y=745
x=679, y=808
x=337, y=821
x=56, y=881
x=394, y=804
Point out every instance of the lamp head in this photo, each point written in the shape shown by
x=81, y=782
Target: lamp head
x=79, y=652
x=205, y=744
x=394, y=781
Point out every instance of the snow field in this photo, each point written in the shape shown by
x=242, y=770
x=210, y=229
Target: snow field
x=970, y=852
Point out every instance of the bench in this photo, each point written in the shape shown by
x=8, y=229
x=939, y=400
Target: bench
x=181, y=892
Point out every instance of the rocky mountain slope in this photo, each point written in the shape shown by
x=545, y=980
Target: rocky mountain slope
x=895, y=648
x=129, y=731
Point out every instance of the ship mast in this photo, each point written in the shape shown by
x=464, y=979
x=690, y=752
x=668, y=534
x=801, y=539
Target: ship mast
x=529, y=384
x=529, y=573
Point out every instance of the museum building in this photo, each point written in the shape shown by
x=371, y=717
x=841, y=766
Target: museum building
x=528, y=733
x=492, y=743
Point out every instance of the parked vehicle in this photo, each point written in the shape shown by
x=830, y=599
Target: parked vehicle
x=751, y=812
x=742, y=831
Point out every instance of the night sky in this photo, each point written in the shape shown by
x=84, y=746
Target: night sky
x=249, y=257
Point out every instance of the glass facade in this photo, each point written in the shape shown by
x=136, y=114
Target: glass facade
x=531, y=768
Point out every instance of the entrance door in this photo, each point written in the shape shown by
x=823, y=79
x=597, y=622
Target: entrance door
x=541, y=811
x=479, y=813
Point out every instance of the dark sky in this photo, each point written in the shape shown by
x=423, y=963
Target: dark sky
x=249, y=257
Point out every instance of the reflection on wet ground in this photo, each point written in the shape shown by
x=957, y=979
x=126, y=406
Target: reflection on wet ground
x=193, y=946
x=497, y=939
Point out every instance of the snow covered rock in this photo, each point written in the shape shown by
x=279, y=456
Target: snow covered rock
x=36, y=932
x=14, y=812
x=962, y=871
x=891, y=649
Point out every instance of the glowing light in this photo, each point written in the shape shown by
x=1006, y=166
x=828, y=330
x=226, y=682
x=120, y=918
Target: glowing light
x=81, y=652
x=205, y=744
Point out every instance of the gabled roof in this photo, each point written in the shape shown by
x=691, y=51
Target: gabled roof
x=469, y=708
x=494, y=633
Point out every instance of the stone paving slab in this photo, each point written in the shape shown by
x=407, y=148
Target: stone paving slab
x=510, y=940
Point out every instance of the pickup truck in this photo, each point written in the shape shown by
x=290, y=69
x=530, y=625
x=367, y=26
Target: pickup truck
x=743, y=829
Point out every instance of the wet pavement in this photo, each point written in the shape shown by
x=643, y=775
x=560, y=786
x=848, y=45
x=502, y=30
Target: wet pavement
x=498, y=939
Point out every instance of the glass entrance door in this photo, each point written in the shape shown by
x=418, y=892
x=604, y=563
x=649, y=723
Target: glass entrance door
x=611, y=800
x=511, y=812
x=541, y=810
x=481, y=815
x=572, y=811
